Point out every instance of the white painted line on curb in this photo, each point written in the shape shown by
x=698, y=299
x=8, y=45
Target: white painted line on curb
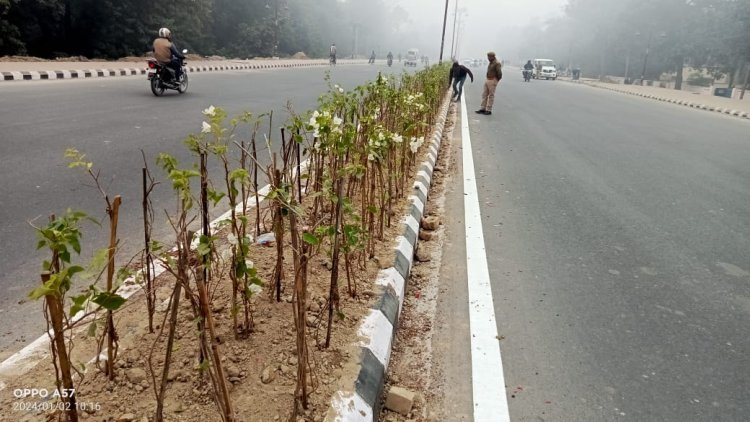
x=488, y=381
x=376, y=333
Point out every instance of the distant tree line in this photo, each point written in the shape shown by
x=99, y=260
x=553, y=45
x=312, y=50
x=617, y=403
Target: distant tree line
x=649, y=37
x=233, y=28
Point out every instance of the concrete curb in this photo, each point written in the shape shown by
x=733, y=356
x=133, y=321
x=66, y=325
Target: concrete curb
x=696, y=105
x=360, y=400
x=131, y=71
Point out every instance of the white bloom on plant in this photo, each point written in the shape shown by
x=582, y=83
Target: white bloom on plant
x=371, y=157
x=315, y=114
x=249, y=263
x=341, y=90
x=414, y=145
x=381, y=136
x=398, y=139
x=337, y=120
x=210, y=111
x=206, y=128
x=313, y=122
x=232, y=239
x=254, y=289
x=316, y=133
x=326, y=113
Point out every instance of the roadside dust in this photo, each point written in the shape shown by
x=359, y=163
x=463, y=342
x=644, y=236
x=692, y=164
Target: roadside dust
x=412, y=361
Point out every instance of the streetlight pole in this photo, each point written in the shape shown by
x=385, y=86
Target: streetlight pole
x=453, y=41
x=442, y=40
x=645, y=57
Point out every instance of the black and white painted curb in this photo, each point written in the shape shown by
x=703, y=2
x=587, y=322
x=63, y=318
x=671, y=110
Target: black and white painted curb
x=360, y=399
x=102, y=73
x=692, y=104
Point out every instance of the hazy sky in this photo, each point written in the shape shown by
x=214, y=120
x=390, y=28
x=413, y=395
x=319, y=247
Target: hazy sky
x=486, y=22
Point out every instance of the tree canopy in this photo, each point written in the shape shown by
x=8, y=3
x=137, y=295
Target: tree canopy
x=233, y=28
x=607, y=37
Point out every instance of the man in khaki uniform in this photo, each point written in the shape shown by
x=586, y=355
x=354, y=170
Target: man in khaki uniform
x=494, y=74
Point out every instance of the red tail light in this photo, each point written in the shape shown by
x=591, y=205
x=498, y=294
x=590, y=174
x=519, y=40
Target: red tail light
x=152, y=65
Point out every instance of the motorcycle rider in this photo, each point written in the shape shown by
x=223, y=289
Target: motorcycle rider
x=372, y=57
x=390, y=58
x=528, y=66
x=167, y=54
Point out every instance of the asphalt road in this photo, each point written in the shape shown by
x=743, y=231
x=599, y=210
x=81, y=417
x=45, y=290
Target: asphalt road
x=617, y=233
x=112, y=120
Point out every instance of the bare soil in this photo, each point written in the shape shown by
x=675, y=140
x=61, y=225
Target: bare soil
x=270, y=348
x=412, y=364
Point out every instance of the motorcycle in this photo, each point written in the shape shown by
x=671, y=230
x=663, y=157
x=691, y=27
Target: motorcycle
x=161, y=77
x=390, y=62
x=526, y=75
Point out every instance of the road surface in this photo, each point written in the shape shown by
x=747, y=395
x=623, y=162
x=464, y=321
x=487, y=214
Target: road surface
x=617, y=232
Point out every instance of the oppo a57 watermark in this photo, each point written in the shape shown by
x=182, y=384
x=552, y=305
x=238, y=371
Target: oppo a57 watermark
x=43, y=393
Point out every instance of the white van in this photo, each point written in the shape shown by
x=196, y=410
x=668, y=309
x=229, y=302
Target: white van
x=412, y=56
x=544, y=68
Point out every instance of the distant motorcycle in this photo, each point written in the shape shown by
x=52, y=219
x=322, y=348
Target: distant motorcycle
x=161, y=77
x=390, y=62
x=526, y=75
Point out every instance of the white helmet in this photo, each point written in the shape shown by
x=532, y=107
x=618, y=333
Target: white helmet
x=165, y=33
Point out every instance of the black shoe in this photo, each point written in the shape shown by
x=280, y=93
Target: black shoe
x=480, y=111
x=487, y=113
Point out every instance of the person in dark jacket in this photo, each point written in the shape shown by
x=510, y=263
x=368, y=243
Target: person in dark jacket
x=167, y=54
x=458, y=75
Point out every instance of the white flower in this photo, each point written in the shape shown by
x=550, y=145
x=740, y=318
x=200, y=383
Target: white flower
x=381, y=136
x=326, y=113
x=206, y=128
x=313, y=122
x=398, y=139
x=210, y=111
x=415, y=144
x=316, y=133
x=336, y=86
x=371, y=157
x=254, y=289
x=249, y=263
x=341, y=90
x=337, y=120
x=316, y=114
x=232, y=239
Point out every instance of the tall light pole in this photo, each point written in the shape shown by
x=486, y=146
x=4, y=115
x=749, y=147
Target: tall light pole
x=453, y=41
x=442, y=40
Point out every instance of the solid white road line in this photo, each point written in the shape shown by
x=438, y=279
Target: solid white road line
x=488, y=382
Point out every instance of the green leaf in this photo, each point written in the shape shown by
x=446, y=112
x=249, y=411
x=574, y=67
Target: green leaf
x=79, y=303
x=91, y=332
x=310, y=238
x=109, y=301
x=44, y=290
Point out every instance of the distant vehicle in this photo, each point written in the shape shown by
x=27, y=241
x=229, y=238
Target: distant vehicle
x=467, y=62
x=544, y=68
x=411, y=57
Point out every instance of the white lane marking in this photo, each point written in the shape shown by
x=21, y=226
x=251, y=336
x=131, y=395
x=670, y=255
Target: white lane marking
x=488, y=381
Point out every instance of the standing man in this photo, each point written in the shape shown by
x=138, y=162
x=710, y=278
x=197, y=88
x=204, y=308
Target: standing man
x=494, y=74
x=458, y=74
x=333, y=53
